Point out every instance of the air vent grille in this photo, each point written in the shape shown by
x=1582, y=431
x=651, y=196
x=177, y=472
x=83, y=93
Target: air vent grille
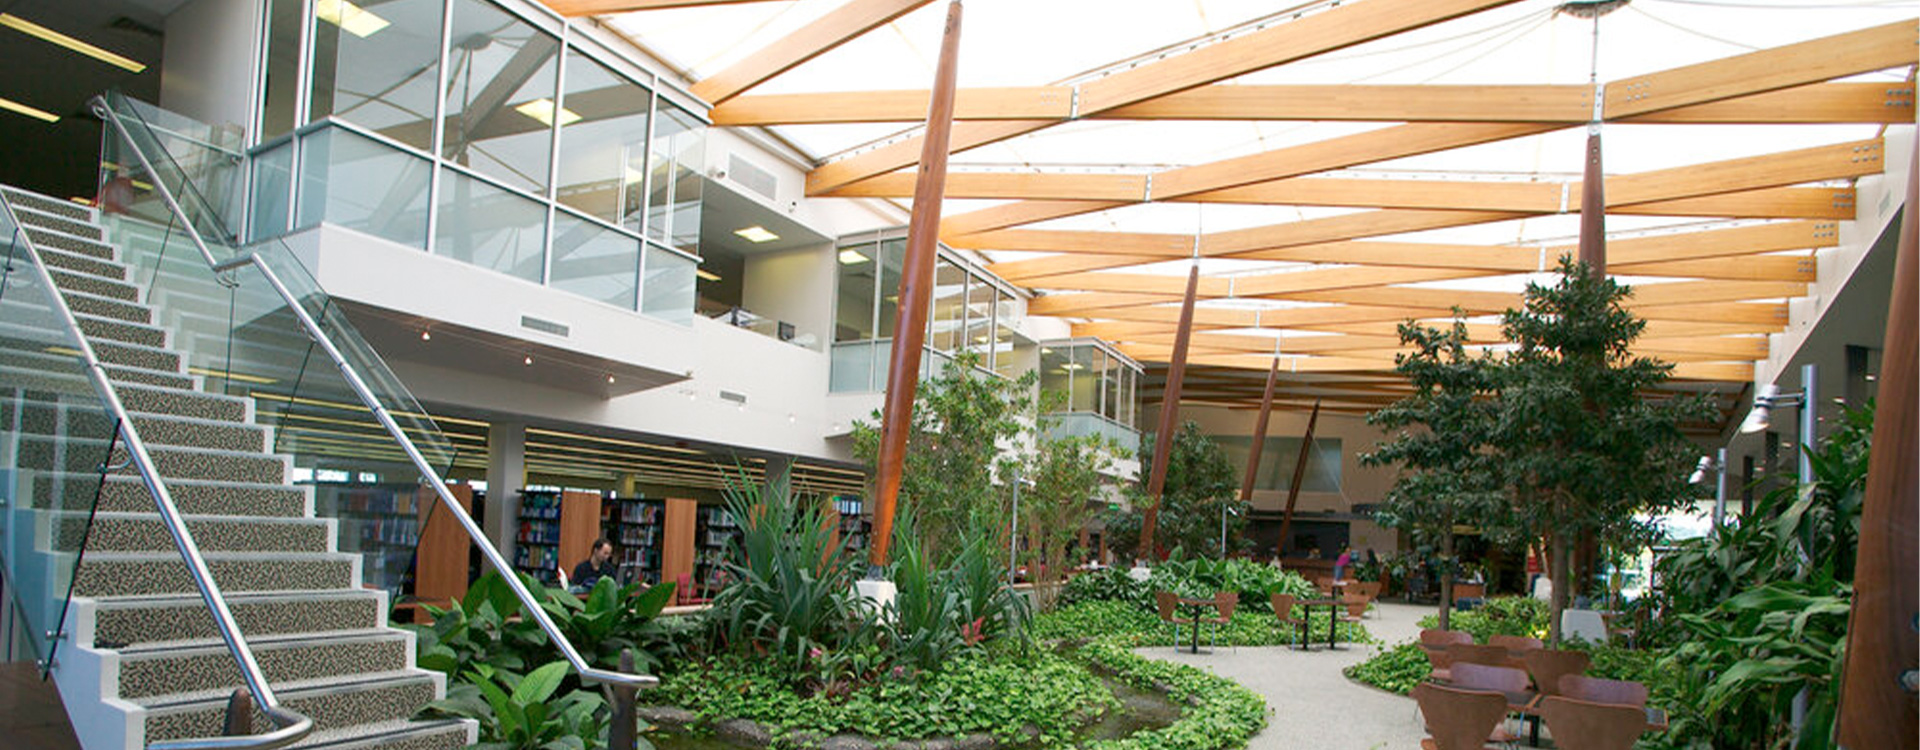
x=734, y=396
x=544, y=326
x=752, y=177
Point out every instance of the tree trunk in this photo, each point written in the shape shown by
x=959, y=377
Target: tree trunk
x=1446, y=575
x=1561, y=571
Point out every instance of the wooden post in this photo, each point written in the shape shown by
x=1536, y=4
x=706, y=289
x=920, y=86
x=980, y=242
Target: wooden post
x=916, y=292
x=1169, y=415
x=1259, y=434
x=1876, y=709
x=1299, y=473
x=1593, y=208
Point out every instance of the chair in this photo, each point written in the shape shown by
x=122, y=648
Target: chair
x=1356, y=607
x=685, y=593
x=1324, y=584
x=1473, y=653
x=1224, y=602
x=1283, y=611
x=1548, y=665
x=1169, y=605
x=1505, y=680
x=1435, y=643
x=1585, y=725
x=1584, y=624
x=1599, y=690
x=1458, y=719
x=1516, y=646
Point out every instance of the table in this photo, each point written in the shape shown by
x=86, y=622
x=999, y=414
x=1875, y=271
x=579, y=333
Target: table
x=1197, y=607
x=1333, y=617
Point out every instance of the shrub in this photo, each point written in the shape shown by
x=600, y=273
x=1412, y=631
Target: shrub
x=793, y=586
x=1255, y=582
x=1220, y=713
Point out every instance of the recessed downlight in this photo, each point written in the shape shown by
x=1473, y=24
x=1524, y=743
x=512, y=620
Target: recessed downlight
x=756, y=234
x=852, y=258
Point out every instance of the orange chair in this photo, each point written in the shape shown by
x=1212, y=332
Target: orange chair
x=1548, y=665
x=1458, y=719
x=1283, y=611
x=1168, y=604
x=1517, y=647
x=1435, y=643
x=1473, y=653
x=1505, y=680
x=1585, y=725
x=1598, y=690
x=1224, y=602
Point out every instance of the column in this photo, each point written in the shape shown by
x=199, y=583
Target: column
x=506, y=475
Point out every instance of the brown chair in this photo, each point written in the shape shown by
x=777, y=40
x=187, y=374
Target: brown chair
x=1598, y=690
x=1469, y=591
x=1224, y=602
x=1548, y=665
x=1283, y=611
x=1473, y=653
x=1169, y=605
x=1585, y=725
x=1325, y=584
x=1435, y=643
x=1505, y=680
x=1517, y=646
x=1458, y=719
x=1356, y=606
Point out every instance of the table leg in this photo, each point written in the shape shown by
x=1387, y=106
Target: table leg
x=1333, y=619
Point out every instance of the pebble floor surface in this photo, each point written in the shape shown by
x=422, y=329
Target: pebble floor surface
x=1314, y=706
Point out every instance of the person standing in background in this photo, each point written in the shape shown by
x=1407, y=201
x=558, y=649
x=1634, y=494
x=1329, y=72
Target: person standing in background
x=1341, y=563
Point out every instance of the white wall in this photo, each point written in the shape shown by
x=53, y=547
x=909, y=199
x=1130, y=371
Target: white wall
x=210, y=59
x=796, y=287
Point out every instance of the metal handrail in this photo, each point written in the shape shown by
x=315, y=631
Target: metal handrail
x=532, y=606
x=293, y=725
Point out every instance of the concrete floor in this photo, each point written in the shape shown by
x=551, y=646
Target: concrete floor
x=1314, y=705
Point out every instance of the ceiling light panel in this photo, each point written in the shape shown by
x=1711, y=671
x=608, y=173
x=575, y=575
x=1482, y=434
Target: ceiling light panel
x=50, y=36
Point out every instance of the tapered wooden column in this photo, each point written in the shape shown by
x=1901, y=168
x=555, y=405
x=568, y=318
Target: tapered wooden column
x=1593, y=208
x=1259, y=433
x=916, y=292
x=1299, y=473
x=1876, y=710
x=1169, y=415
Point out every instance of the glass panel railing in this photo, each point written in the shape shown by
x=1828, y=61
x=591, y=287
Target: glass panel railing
x=239, y=333
x=1078, y=424
x=56, y=436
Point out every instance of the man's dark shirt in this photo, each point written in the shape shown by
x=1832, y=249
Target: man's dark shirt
x=585, y=575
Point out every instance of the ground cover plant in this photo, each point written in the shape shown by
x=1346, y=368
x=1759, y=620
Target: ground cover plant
x=1400, y=668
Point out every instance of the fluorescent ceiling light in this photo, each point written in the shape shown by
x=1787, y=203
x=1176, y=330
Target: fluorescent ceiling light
x=43, y=33
x=33, y=112
x=241, y=377
x=850, y=257
x=1072, y=366
x=706, y=274
x=758, y=234
x=349, y=17
x=542, y=109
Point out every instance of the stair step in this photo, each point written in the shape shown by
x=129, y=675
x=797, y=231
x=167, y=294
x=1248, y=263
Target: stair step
x=48, y=204
x=157, y=672
x=82, y=303
x=45, y=238
x=76, y=491
x=143, y=573
x=155, y=378
x=134, y=355
x=186, y=432
x=183, y=618
x=143, y=532
x=120, y=331
x=31, y=216
x=83, y=454
x=439, y=734
x=84, y=264
x=333, y=705
x=80, y=282
x=197, y=404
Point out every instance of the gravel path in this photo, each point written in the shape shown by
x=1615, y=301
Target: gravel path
x=1314, y=706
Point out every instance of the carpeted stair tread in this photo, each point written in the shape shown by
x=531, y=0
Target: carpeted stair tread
x=157, y=673
x=147, y=399
x=155, y=378
x=82, y=264
x=79, y=455
x=141, y=357
x=108, y=329
x=197, y=497
x=47, y=238
x=80, y=282
x=332, y=703
x=47, y=204
x=111, y=574
x=187, y=432
x=83, y=303
x=31, y=216
x=143, y=532
x=182, y=618
x=440, y=734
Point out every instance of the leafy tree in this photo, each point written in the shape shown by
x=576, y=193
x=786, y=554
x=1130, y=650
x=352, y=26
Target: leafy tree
x=1066, y=475
x=962, y=419
x=1200, y=486
x=1440, y=437
x=1580, y=441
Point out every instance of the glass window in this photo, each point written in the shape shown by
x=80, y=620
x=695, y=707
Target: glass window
x=282, y=85
x=501, y=75
x=603, y=152
x=378, y=66
x=668, y=291
x=979, y=336
x=1110, y=387
x=853, y=302
x=1086, y=381
x=354, y=181
x=946, y=329
x=892, y=254
x=489, y=227
x=1054, y=376
x=595, y=262
x=675, y=158
x=1003, y=360
x=272, y=186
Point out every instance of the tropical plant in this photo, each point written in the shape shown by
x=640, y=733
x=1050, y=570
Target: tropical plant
x=1200, y=490
x=961, y=422
x=923, y=620
x=1441, y=435
x=481, y=627
x=792, y=596
x=612, y=619
x=1580, y=443
x=520, y=713
x=1065, y=475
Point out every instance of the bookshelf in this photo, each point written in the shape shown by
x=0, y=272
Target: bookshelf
x=537, y=545
x=635, y=525
x=714, y=531
x=854, y=526
x=379, y=522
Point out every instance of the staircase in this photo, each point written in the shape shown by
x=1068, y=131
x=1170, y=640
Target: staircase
x=140, y=660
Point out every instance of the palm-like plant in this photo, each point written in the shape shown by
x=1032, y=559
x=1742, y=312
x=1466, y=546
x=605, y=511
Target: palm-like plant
x=792, y=595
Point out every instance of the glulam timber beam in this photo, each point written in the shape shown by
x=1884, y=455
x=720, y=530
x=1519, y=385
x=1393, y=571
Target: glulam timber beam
x=578, y=8
x=1296, y=39
x=1864, y=51
x=837, y=27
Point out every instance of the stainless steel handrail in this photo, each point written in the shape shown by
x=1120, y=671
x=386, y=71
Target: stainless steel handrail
x=293, y=725
x=529, y=604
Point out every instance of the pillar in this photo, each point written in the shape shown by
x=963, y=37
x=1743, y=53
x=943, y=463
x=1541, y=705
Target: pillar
x=506, y=475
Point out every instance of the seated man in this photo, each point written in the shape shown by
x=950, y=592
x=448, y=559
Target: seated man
x=599, y=564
